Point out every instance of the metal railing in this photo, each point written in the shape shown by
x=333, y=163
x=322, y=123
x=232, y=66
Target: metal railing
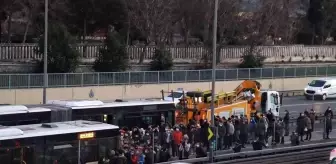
x=270, y=153
x=10, y=81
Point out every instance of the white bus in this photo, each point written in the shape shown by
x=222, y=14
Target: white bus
x=128, y=113
x=60, y=142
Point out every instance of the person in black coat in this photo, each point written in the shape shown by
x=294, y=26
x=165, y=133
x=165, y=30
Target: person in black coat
x=286, y=121
x=328, y=125
x=300, y=126
x=205, y=133
x=271, y=120
x=243, y=133
x=329, y=113
x=200, y=151
x=221, y=135
x=164, y=155
x=149, y=155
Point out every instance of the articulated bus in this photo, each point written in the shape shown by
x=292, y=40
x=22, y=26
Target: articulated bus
x=58, y=143
x=140, y=113
x=11, y=115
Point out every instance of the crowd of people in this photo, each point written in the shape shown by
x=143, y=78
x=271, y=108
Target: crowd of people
x=163, y=142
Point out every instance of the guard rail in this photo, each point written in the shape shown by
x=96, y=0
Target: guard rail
x=254, y=156
x=286, y=158
x=319, y=117
x=284, y=150
x=291, y=93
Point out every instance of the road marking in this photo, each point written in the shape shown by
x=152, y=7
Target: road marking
x=319, y=103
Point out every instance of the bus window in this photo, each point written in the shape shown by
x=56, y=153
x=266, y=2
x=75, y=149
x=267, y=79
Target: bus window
x=147, y=120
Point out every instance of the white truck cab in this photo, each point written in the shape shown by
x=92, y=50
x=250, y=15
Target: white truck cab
x=321, y=89
x=270, y=100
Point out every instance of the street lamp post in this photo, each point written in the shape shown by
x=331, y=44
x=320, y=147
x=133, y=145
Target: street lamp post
x=214, y=46
x=45, y=54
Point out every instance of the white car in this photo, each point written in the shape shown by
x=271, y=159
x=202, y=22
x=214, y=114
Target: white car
x=332, y=157
x=321, y=89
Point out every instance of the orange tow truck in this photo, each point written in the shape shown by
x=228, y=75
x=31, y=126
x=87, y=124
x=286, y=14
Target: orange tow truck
x=246, y=99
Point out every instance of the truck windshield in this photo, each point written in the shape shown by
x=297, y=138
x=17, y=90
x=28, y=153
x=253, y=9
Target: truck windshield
x=176, y=95
x=317, y=83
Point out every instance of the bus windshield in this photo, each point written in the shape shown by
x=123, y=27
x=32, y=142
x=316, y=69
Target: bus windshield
x=317, y=83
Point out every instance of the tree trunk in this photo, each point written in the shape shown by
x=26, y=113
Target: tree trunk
x=84, y=38
x=206, y=32
x=26, y=32
x=9, y=33
x=186, y=37
x=313, y=35
x=143, y=53
x=1, y=31
x=186, y=40
x=128, y=31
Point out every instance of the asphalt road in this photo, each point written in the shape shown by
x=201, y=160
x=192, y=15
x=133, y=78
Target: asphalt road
x=297, y=105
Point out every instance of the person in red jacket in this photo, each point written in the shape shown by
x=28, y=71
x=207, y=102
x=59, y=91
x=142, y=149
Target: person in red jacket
x=134, y=158
x=177, y=140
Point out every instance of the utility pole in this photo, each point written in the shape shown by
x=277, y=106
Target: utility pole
x=45, y=54
x=214, y=47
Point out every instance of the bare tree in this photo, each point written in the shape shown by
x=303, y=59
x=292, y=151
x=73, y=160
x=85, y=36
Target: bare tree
x=31, y=9
x=153, y=19
x=287, y=14
x=190, y=16
x=263, y=21
x=8, y=8
x=328, y=22
x=58, y=11
x=228, y=20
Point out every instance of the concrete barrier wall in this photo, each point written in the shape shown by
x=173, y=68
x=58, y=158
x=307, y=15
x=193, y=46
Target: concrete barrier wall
x=191, y=54
x=34, y=96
